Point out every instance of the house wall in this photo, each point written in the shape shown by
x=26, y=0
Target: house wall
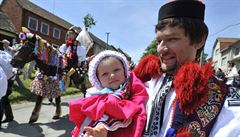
x=14, y=12
x=216, y=57
x=236, y=54
x=5, y=35
x=227, y=53
x=224, y=55
x=98, y=48
x=48, y=37
x=20, y=18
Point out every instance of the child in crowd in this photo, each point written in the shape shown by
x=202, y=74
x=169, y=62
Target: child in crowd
x=116, y=101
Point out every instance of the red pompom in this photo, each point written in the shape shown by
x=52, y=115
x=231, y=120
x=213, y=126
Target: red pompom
x=183, y=133
x=147, y=68
x=190, y=84
x=69, y=42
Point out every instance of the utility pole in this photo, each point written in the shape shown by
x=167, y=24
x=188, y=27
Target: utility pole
x=107, y=39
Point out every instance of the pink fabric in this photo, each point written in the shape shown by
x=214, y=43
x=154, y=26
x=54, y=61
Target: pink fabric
x=95, y=106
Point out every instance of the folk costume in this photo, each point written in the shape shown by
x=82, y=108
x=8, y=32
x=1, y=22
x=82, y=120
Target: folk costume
x=193, y=102
x=121, y=111
x=190, y=102
x=73, y=54
x=50, y=64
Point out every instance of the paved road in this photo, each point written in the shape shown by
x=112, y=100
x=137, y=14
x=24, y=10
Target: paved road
x=44, y=127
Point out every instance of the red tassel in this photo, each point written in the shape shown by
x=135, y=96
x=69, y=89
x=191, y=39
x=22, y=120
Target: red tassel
x=183, y=133
x=68, y=57
x=147, y=68
x=190, y=84
x=69, y=42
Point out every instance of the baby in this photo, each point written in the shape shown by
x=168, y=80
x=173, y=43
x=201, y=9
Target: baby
x=116, y=100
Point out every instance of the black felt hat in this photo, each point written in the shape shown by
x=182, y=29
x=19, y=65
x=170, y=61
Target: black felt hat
x=182, y=8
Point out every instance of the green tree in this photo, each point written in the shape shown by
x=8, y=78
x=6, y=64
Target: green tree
x=203, y=58
x=89, y=21
x=151, y=49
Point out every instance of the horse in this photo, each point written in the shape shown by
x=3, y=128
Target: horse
x=35, y=48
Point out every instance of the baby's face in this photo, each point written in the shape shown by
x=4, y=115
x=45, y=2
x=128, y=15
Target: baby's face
x=111, y=73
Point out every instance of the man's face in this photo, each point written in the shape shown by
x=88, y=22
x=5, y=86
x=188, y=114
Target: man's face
x=71, y=35
x=174, y=48
x=5, y=45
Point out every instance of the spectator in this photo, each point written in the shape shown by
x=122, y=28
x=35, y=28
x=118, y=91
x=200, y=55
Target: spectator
x=232, y=73
x=11, y=51
x=7, y=68
x=220, y=74
x=3, y=89
x=74, y=54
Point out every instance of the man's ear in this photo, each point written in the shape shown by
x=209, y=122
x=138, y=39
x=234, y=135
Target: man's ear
x=200, y=44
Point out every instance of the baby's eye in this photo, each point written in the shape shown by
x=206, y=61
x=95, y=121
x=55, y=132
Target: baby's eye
x=116, y=70
x=104, y=74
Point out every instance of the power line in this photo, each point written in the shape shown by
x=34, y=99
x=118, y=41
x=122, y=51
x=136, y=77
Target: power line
x=232, y=25
x=53, y=6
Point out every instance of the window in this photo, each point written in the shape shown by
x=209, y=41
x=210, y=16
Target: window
x=236, y=51
x=224, y=61
x=33, y=23
x=44, y=28
x=217, y=52
x=56, y=33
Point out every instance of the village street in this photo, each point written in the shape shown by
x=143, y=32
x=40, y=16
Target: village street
x=45, y=126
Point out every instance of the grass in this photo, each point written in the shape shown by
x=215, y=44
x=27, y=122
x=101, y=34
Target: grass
x=25, y=95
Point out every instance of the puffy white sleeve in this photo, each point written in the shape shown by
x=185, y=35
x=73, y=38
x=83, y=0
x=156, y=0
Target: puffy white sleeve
x=228, y=122
x=81, y=52
x=3, y=83
x=62, y=49
x=5, y=60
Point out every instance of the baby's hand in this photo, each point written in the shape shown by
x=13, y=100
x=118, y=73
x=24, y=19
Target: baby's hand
x=98, y=131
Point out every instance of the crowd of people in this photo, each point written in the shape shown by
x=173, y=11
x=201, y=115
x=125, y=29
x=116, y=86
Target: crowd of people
x=181, y=98
x=70, y=55
x=231, y=76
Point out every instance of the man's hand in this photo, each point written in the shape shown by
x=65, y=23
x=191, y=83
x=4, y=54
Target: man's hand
x=98, y=131
x=90, y=58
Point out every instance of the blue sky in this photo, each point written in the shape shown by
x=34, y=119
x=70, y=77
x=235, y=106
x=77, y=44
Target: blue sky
x=131, y=22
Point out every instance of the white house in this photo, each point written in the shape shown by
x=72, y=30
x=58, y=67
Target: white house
x=224, y=50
